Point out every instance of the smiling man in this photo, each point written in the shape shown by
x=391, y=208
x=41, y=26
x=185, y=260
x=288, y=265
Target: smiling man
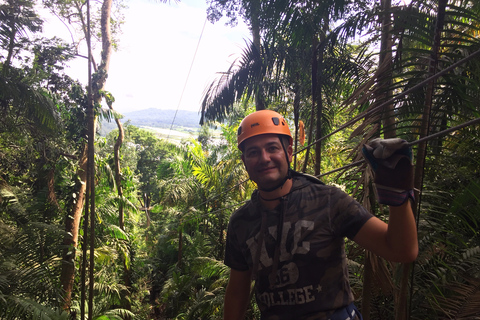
x=289, y=237
x=265, y=160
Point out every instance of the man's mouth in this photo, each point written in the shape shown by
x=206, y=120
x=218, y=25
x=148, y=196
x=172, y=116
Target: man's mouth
x=266, y=170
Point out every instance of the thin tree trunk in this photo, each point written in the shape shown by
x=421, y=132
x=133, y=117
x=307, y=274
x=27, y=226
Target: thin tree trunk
x=72, y=225
x=255, y=29
x=314, y=99
x=296, y=116
x=180, y=246
x=255, y=23
x=384, y=81
x=91, y=205
x=319, y=99
x=118, y=177
x=402, y=308
x=121, y=203
x=385, y=78
x=367, y=286
x=72, y=222
x=11, y=39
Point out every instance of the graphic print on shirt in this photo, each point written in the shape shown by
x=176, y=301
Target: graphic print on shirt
x=288, y=274
x=299, y=247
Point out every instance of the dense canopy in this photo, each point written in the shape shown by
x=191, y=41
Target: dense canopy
x=132, y=225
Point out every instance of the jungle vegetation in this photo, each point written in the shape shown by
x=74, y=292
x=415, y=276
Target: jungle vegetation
x=130, y=226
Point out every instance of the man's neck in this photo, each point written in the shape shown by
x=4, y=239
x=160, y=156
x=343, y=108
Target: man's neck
x=271, y=199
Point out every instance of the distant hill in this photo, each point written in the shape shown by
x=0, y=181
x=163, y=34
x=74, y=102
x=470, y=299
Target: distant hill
x=157, y=118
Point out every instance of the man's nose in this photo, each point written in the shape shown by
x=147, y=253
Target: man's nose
x=264, y=156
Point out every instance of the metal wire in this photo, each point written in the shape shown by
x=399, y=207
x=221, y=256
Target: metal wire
x=412, y=143
x=401, y=95
x=373, y=110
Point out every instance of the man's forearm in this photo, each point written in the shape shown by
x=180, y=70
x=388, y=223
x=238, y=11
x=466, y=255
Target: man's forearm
x=234, y=307
x=237, y=295
x=402, y=231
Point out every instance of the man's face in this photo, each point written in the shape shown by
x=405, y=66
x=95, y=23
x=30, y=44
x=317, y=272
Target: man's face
x=265, y=160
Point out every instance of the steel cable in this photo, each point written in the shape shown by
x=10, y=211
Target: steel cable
x=412, y=143
x=373, y=110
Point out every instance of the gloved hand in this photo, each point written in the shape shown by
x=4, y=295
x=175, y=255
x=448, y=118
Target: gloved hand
x=391, y=162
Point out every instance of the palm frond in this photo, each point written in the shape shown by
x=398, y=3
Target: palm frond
x=235, y=83
x=37, y=103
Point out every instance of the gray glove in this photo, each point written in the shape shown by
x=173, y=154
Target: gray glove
x=391, y=162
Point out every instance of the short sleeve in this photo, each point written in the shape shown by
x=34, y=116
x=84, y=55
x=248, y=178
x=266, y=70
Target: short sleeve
x=348, y=216
x=233, y=253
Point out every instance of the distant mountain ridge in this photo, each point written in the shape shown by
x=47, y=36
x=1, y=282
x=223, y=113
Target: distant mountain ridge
x=163, y=118
x=158, y=118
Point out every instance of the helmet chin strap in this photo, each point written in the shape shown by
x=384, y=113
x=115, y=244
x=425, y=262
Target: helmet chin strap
x=280, y=185
x=288, y=176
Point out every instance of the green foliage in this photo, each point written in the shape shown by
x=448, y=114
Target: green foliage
x=165, y=262
x=28, y=284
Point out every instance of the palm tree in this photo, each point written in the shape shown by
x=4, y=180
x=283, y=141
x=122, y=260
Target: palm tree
x=28, y=280
x=288, y=65
x=422, y=112
x=453, y=94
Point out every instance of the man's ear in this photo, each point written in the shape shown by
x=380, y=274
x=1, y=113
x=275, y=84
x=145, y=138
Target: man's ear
x=243, y=159
x=290, y=153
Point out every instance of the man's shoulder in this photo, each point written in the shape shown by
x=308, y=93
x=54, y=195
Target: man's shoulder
x=306, y=178
x=306, y=183
x=243, y=212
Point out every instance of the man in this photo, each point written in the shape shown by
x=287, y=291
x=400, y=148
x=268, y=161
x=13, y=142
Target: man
x=289, y=237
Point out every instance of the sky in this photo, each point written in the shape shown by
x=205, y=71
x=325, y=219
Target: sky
x=164, y=60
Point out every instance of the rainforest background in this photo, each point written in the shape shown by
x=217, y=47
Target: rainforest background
x=132, y=226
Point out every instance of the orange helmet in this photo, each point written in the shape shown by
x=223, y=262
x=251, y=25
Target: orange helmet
x=262, y=122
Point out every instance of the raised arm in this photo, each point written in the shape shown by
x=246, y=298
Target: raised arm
x=237, y=295
x=396, y=241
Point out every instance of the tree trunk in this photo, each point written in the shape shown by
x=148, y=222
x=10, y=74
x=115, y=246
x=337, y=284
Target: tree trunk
x=385, y=79
x=72, y=222
x=121, y=204
x=255, y=29
x=296, y=116
x=118, y=179
x=11, y=38
x=319, y=99
x=388, y=119
x=314, y=99
x=402, y=308
x=255, y=23
x=367, y=286
x=72, y=225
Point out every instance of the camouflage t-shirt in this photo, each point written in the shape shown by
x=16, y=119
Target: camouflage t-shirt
x=303, y=273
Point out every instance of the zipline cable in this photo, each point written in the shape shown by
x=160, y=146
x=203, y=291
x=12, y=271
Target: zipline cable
x=369, y=112
x=359, y=162
x=401, y=95
x=426, y=138
x=188, y=76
